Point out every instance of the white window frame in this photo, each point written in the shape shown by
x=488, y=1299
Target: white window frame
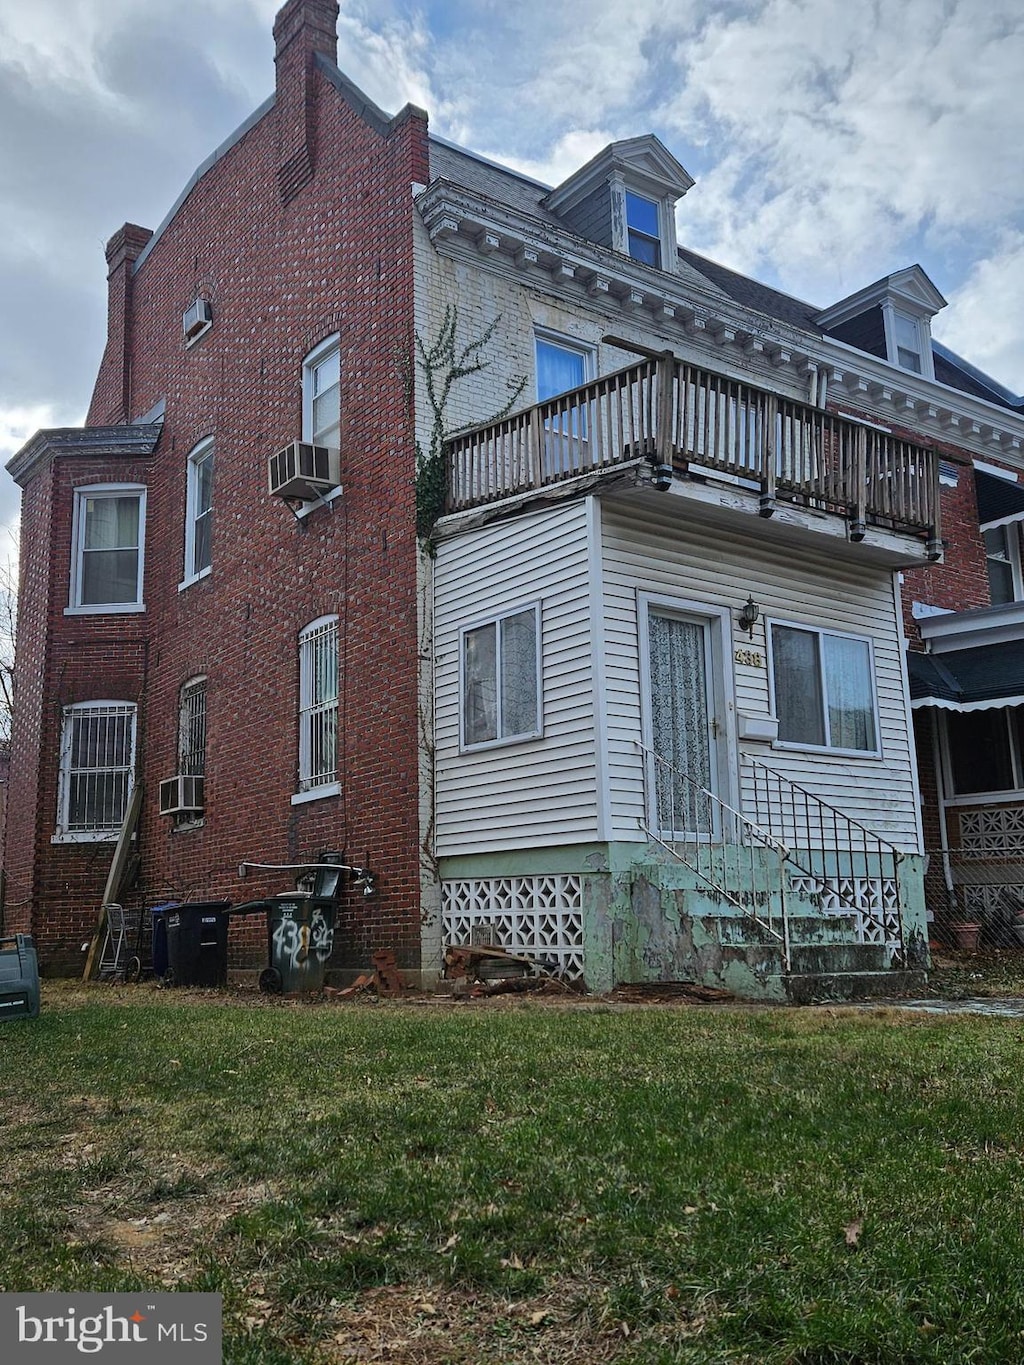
x=820, y=632
x=309, y=789
x=83, y=495
x=64, y=833
x=543, y=336
x=1010, y=533
x=924, y=339
x=316, y=356
x=495, y=619
x=658, y=206
x=203, y=451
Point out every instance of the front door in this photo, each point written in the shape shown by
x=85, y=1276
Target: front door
x=683, y=729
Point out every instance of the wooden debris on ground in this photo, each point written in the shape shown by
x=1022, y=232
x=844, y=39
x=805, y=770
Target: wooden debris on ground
x=669, y=992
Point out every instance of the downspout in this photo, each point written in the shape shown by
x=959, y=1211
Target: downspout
x=940, y=797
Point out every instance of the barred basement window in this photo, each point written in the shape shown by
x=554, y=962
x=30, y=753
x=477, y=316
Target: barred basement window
x=318, y=707
x=97, y=760
x=192, y=729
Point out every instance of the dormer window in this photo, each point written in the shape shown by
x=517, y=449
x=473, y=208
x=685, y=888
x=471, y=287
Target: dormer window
x=890, y=319
x=642, y=229
x=906, y=342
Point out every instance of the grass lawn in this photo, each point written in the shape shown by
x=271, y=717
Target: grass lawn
x=525, y=1182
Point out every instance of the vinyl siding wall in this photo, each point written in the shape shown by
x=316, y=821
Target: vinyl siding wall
x=531, y=792
x=645, y=552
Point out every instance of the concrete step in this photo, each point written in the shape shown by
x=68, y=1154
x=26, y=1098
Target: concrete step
x=808, y=988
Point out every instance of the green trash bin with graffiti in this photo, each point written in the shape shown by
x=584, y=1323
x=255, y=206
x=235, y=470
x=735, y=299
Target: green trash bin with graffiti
x=300, y=927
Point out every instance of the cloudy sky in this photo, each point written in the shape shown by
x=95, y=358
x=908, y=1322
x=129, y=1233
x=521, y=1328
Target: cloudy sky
x=832, y=141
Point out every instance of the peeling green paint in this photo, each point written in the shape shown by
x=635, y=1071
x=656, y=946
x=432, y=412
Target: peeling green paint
x=649, y=917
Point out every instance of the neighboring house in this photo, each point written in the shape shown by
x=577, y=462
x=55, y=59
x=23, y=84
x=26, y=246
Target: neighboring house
x=640, y=708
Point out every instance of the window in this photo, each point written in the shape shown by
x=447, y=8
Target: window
x=1002, y=554
x=824, y=692
x=106, y=560
x=199, y=512
x=192, y=728
x=321, y=394
x=501, y=679
x=643, y=229
x=986, y=750
x=97, y=758
x=908, y=342
x=318, y=707
x=560, y=367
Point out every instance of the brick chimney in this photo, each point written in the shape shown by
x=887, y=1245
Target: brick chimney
x=111, y=398
x=302, y=29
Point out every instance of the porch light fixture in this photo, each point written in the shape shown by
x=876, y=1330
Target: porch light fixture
x=750, y=614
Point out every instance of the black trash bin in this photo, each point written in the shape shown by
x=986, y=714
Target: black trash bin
x=301, y=932
x=197, y=944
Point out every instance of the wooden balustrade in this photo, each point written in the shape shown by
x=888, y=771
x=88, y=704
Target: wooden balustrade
x=674, y=413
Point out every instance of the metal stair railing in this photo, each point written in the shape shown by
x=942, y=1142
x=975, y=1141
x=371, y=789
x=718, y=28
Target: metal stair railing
x=820, y=839
x=719, y=844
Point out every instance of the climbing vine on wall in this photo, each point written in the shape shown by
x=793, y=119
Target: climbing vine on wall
x=442, y=363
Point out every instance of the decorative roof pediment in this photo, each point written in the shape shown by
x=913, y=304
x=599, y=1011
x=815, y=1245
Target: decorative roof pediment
x=645, y=162
x=909, y=290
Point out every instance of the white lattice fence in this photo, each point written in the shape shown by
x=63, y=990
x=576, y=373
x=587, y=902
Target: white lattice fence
x=873, y=902
x=538, y=916
x=992, y=831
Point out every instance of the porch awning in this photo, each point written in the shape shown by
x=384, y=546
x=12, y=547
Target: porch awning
x=969, y=679
x=999, y=500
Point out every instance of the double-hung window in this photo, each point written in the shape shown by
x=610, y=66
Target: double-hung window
x=318, y=709
x=1002, y=555
x=501, y=679
x=560, y=366
x=107, y=548
x=321, y=394
x=199, y=512
x=643, y=229
x=823, y=689
x=97, y=760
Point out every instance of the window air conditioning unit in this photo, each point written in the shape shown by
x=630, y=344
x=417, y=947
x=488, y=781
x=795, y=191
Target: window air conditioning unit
x=304, y=471
x=181, y=795
x=196, y=318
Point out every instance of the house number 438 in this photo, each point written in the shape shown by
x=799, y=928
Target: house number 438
x=749, y=656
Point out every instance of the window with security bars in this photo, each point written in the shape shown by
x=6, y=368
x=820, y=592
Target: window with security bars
x=318, y=704
x=192, y=729
x=97, y=760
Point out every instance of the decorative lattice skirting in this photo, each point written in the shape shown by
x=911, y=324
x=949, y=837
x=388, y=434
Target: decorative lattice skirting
x=872, y=901
x=992, y=831
x=986, y=901
x=536, y=916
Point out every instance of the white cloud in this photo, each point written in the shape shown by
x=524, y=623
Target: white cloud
x=983, y=321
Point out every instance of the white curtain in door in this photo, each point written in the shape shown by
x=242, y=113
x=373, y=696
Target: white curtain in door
x=679, y=713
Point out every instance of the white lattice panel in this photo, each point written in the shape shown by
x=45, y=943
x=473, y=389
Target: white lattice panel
x=986, y=901
x=872, y=901
x=992, y=831
x=537, y=916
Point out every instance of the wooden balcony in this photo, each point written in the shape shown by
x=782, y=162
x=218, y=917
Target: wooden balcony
x=678, y=416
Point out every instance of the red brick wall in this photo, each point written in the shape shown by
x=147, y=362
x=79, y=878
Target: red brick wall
x=280, y=276
x=960, y=582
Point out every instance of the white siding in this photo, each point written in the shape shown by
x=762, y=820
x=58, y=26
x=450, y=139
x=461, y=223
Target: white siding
x=531, y=792
x=645, y=551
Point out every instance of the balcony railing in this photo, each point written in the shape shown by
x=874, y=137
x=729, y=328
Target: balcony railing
x=678, y=415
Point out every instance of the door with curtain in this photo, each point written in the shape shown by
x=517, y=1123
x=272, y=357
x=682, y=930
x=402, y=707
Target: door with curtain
x=683, y=728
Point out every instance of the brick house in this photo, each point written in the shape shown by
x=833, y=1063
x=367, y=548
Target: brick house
x=635, y=698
